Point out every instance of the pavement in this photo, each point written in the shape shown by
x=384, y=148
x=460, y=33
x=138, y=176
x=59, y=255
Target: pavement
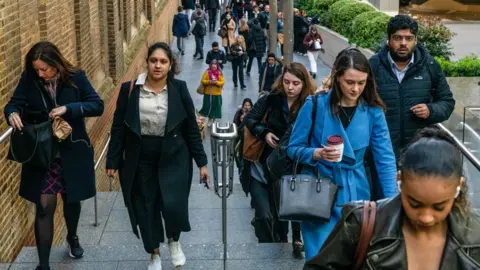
x=112, y=245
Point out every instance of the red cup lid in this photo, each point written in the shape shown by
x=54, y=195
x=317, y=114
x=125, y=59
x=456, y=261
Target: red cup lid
x=335, y=140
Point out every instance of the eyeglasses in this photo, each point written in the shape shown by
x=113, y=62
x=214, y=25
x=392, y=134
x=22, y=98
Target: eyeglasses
x=398, y=38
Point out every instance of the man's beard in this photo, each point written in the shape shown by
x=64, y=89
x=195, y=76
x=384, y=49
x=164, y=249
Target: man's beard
x=398, y=58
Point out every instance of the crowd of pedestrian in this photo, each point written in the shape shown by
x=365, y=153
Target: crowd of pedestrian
x=367, y=133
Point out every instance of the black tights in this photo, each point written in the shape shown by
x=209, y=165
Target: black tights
x=45, y=211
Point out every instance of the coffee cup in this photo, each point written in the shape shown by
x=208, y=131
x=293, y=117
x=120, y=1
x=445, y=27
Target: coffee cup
x=336, y=141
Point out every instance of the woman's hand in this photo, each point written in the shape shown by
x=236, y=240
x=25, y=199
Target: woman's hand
x=15, y=121
x=111, y=172
x=59, y=111
x=310, y=42
x=327, y=153
x=213, y=81
x=271, y=139
x=204, y=175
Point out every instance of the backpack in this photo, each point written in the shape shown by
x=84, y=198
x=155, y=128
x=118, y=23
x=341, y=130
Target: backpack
x=200, y=28
x=278, y=163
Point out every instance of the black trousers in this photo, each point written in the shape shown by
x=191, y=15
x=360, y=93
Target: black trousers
x=237, y=66
x=199, y=45
x=147, y=197
x=268, y=228
x=250, y=61
x=212, y=19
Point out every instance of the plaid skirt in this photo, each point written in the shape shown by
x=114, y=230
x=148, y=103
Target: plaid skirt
x=53, y=182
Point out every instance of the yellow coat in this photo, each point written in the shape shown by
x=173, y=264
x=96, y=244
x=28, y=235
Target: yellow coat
x=213, y=89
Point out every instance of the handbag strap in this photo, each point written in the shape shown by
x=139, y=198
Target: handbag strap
x=12, y=151
x=366, y=233
x=264, y=76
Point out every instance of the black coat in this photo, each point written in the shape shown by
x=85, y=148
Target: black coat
x=212, y=4
x=270, y=77
x=277, y=122
x=183, y=137
x=256, y=42
x=188, y=4
x=76, y=152
x=418, y=86
x=387, y=248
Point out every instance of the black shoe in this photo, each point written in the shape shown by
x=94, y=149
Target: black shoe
x=195, y=56
x=298, y=249
x=244, y=87
x=201, y=58
x=76, y=251
x=183, y=52
x=40, y=268
x=314, y=75
x=248, y=74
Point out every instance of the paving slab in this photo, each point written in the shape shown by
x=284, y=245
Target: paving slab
x=4, y=266
x=167, y=265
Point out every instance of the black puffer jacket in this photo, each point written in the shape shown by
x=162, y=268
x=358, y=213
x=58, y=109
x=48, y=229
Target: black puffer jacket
x=277, y=122
x=424, y=82
x=256, y=36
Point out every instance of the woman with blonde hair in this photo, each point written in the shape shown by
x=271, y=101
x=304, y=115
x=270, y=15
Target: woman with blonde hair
x=213, y=81
x=237, y=57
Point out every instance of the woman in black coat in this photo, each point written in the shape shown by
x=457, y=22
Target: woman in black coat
x=52, y=87
x=256, y=45
x=281, y=108
x=154, y=138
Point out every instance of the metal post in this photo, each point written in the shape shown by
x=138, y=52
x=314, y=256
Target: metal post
x=223, y=149
x=273, y=27
x=287, y=32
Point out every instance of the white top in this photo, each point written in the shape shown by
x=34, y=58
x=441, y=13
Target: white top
x=153, y=109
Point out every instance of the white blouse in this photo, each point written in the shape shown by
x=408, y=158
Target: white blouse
x=153, y=109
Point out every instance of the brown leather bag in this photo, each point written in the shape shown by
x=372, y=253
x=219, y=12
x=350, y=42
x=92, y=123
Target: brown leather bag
x=252, y=145
x=366, y=233
x=61, y=128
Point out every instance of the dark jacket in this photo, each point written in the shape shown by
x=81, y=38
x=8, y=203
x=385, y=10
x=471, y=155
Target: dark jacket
x=300, y=25
x=76, y=152
x=256, y=42
x=235, y=55
x=184, y=141
x=188, y=4
x=219, y=56
x=181, y=25
x=309, y=37
x=200, y=27
x=270, y=77
x=277, y=122
x=416, y=87
x=212, y=4
x=387, y=248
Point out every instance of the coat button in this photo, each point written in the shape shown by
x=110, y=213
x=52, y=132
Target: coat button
x=375, y=257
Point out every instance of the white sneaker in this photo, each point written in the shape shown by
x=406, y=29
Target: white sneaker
x=178, y=258
x=155, y=263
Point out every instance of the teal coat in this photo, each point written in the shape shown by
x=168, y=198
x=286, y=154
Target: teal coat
x=368, y=127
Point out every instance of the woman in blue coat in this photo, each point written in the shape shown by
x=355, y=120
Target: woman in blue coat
x=180, y=28
x=354, y=111
x=52, y=87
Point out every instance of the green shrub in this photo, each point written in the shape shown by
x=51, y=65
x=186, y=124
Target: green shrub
x=465, y=67
x=325, y=19
x=435, y=37
x=343, y=12
x=368, y=28
x=323, y=5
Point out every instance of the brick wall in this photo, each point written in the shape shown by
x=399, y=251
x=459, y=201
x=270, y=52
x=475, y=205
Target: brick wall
x=93, y=34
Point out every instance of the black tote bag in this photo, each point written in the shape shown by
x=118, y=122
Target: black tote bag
x=306, y=197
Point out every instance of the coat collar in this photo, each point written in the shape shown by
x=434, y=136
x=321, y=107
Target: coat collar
x=176, y=111
x=357, y=134
x=389, y=220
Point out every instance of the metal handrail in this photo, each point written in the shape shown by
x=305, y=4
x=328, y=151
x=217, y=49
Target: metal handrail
x=6, y=134
x=471, y=157
x=97, y=162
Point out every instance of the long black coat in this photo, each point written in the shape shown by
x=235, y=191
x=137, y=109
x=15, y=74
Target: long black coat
x=256, y=36
x=277, y=122
x=183, y=137
x=76, y=152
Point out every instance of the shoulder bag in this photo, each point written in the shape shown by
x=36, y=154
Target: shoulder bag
x=366, y=233
x=34, y=144
x=252, y=145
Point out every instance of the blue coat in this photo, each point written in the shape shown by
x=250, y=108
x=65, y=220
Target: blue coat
x=181, y=25
x=368, y=127
x=76, y=152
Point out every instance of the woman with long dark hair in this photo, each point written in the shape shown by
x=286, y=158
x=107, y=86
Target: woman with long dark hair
x=154, y=138
x=429, y=225
x=281, y=108
x=51, y=87
x=353, y=116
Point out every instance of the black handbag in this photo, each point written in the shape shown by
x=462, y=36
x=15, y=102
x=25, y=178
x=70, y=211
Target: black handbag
x=34, y=144
x=306, y=197
x=278, y=163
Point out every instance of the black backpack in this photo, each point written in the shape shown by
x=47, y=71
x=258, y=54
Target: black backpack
x=200, y=29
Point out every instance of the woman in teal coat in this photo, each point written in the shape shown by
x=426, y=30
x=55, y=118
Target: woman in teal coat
x=354, y=111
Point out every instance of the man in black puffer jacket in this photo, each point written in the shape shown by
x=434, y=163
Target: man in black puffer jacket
x=410, y=82
x=412, y=85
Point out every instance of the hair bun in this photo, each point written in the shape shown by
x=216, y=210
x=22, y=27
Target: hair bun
x=434, y=132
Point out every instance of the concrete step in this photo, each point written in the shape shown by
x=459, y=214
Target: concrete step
x=209, y=256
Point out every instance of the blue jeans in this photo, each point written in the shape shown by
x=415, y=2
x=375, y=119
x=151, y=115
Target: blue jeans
x=199, y=45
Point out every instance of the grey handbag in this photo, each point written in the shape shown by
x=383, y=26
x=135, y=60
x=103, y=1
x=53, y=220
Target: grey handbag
x=306, y=197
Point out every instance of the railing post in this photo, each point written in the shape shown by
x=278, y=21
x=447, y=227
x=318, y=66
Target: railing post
x=223, y=151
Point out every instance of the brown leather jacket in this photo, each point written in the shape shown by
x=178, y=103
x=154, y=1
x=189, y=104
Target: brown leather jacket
x=387, y=247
